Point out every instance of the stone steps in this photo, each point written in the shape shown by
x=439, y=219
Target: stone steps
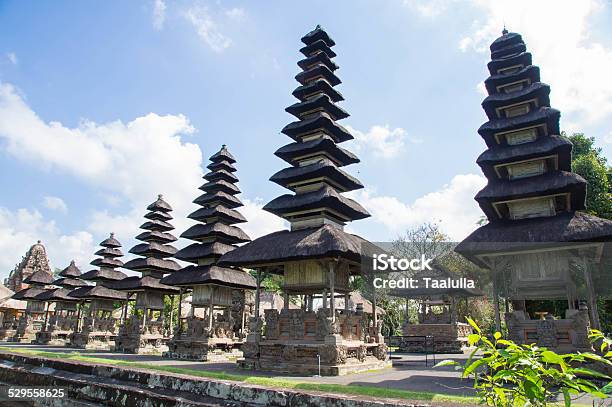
x=123, y=386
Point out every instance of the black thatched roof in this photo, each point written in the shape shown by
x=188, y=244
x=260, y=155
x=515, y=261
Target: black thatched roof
x=200, y=275
x=158, y=225
x=320, y=85
x=520, y=59
x=321, y=102
x=218, y=198
x=226, y=233
x=71, y=271
x=39, y=278
x=156, y=236
x=505, y=40
x=508, y=51
x=530, y=72
x=150, y=263
x=159, y=205
x=57, y=294
x=324, y=242
x=220, y=175
x=222, y=155
x=318, y=34
x=110, y=242
x=221, y=165
x=153, y=249
x=506, y=235
x=220, y=185
x=69, y=282
x=103, y=274
x=544, y=115
x=543, y=146
x=29, y=293
x=325, y=144
x=148, y=283
x=319, y=121
x=317, y=46
x=106, y=262
x=109, y=252
x=98, y=292
x=196, y=251
x=324, y=197
x=323, y=168
x=318, y=71
x=228, y=215
x=538, y=90
x=158, y=215
x=320, y=58
x=552, y=182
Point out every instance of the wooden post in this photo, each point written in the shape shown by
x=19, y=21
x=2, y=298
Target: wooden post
x=496, y=302
x=211, y=308
x=332, y=293
x=347, y=298
x=180, y=306
x=46, y=315
x=453, y=311
x=171, y=312
x=257, y=293
x=594, y=313
x=285, y=300
x=324, y=298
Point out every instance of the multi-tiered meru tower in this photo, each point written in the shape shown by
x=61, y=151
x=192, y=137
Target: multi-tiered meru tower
x=97, y=326
x=63, y=320
x=225, y=293
x=316, y=257
x=147, y=333
x=537, y=241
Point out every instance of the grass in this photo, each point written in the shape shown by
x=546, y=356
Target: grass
x=360, y=390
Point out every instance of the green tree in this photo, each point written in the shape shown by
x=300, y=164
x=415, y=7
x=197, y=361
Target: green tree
x=588, y=162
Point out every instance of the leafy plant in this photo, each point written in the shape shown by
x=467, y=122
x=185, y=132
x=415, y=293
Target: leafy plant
x=508, y=374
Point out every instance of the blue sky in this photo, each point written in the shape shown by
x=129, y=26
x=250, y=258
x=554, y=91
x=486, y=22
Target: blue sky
x=103, y=105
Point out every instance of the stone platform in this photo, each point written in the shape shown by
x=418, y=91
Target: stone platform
x=209, y=350
x=447, y=338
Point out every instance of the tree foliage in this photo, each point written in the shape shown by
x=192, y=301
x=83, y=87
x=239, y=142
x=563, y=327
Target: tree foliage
x=508, y=374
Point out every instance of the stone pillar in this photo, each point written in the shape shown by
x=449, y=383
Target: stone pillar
x=453, y=311
x=593, y=312
x=180, y=310
x=171, y=312
x=332, y=293
x=257, y=293
x=347, y=298
x=285, y=301
x=324, y=298
x=211, y=308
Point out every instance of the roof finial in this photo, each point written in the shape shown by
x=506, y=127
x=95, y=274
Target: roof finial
x=223, y=146
x=318, y=27
x=39, y=242
x=112, y=234
x=504, y=31
x=160, y=196
x=71, y=261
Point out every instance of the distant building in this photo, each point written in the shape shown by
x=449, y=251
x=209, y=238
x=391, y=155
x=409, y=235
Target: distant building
x=34, y=260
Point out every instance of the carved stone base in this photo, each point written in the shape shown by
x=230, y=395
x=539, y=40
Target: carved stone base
x=92, y=340
x=441, y=345
x=141, y=344
x=55, y=337
x=207, y=351
x=5, y=334
x=303, y=357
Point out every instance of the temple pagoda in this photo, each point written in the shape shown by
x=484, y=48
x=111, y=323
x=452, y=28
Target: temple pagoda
x=146, y=333
x=224, y=293
x=538, y=242
x=34, y=260
x=33, y=319
x=96, y=325
x=63, y=320
x=316, y=257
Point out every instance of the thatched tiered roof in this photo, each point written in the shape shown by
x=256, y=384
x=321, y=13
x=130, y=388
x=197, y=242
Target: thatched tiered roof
x=217, y=234
x=104, y=276
x=70, y=277
x=154, y=262
x=532, y=197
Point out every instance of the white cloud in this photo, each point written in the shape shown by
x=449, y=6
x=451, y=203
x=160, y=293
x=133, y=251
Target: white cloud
x=159, y=14
x=429, y=8
x=12, y=57
x=575, y=65
x=207, y=28
x=260, y=222
x=608, y=138
x=20, y=229
x=382, y=141
x=55, y=204
x=236, y=13
x=452, y=206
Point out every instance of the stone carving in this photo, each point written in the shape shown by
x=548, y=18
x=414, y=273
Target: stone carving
x=381, y=352
x=332, y=354
x=362, y=352
x=289, y=353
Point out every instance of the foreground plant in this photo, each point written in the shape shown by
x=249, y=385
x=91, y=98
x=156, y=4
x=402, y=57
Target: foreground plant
x=508, y=374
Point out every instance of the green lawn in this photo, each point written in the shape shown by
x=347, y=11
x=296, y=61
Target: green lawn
x=263, y=381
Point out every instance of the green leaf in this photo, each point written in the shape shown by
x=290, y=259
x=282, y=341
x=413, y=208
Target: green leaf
x=532, y=390
x=590, y=372
x=446, y=362
x=473, y=324
x=475, y=365
x=473, y=339
x=566, y=397
x=497, y=335
x=549, y=356
x=607, y=388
